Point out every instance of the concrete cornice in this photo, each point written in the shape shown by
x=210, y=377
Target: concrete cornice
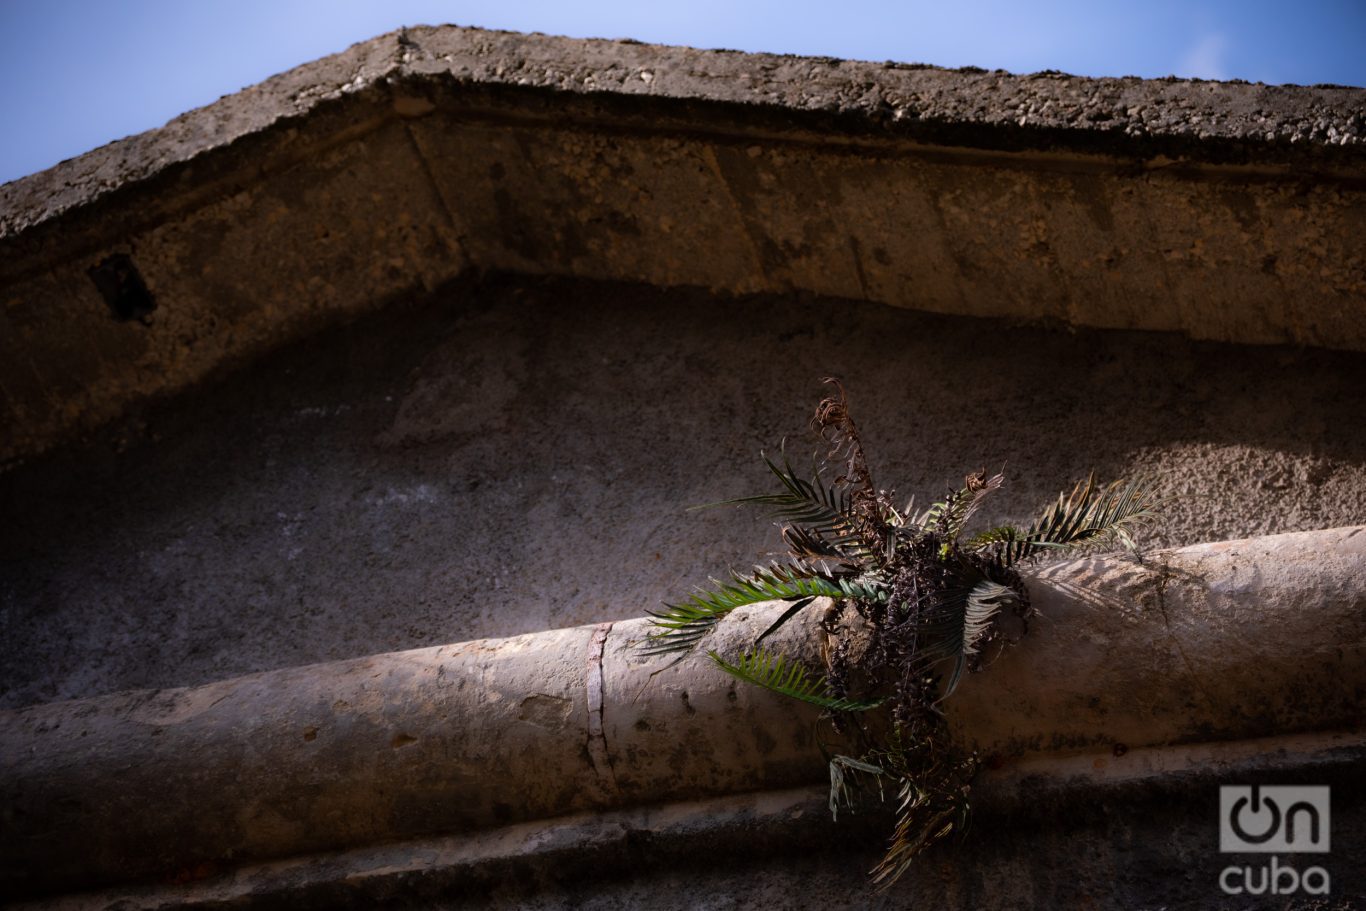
x=1224, y=211
x=1136, y=671
x=1199, y=121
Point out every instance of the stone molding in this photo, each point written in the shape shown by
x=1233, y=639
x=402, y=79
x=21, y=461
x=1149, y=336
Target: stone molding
x=1175, y=659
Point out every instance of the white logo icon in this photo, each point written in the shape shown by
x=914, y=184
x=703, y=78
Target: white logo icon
x=1273, y=819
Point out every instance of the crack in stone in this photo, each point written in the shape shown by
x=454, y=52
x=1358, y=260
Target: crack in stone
x=597, y=738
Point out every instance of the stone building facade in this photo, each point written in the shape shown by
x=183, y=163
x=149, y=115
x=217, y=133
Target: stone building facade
x=435, y=340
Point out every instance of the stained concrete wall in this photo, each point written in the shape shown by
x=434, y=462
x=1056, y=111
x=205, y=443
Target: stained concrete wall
x=1223, y=211
x=520, y=455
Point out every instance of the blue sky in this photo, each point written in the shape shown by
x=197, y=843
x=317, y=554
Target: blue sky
x=75, y=75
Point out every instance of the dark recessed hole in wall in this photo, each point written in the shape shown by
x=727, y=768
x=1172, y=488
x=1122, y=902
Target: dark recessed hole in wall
x=122, y=287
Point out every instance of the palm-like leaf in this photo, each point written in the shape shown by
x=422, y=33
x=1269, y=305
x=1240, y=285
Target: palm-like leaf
x=683, y=624
x=1089, y=516
x=955, y=627
x=930, y=594
x=774, y=672
x=842, y=770
x=952, y=514
x=825, y=515
x=923, y=818
x=805, y=544
x=1001, y=534
x=985, y=601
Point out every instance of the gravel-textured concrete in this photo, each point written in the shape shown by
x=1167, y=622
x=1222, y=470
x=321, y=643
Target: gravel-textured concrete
x=1222, y=211
x=520, y=456
x=971, y=107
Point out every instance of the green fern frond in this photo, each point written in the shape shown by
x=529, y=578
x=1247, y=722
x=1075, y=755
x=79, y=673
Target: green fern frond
x=867, y=587
x=774, y=672
x=683, y=624
x=1089, y=516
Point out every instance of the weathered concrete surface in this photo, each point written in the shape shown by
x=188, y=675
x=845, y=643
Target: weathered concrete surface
x=1046, y=841
x=1224, y=211
x=1227, y=641
x=521, y=455
x=1211, y=642
x=444, y=740
x=394, y=482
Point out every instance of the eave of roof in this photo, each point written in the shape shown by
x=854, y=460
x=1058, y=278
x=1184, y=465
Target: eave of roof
x=1224, y=211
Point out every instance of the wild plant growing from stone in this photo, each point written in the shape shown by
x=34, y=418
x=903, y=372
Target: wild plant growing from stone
x=927, y=600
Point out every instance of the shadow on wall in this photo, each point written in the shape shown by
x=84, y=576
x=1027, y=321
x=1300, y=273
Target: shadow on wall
x=519, y=454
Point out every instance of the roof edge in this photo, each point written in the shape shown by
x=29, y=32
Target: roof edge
x=1315, y=128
